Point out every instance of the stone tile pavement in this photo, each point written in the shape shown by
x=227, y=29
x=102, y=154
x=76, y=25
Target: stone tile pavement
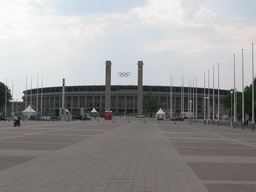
x=121, y=156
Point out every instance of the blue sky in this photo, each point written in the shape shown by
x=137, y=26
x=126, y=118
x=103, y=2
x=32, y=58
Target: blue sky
x=73, y=39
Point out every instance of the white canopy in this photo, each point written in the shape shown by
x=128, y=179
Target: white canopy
x=93, y=110
x=29, y=111
x=160, y=114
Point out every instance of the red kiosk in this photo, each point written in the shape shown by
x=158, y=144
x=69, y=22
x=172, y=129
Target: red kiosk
x=108, y=115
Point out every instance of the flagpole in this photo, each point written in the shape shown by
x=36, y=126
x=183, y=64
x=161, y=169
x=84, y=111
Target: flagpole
x=42, y=98
x=26, y=101
x=5, y=103
x=31, y=93
x=252, y=89
x=12, y=99
x=243, y=88
x=204, y=98
x=196, y=99
x=208, y=96
x=218, y=94
x=37, y=98
x=213, y=100
x=234, y=92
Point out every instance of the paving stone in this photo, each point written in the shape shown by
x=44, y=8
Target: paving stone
x=122, y=156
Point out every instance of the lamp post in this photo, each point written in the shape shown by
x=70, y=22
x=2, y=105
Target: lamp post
x=125, y=74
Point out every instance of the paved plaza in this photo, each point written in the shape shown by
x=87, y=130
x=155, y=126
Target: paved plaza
x=118, y=156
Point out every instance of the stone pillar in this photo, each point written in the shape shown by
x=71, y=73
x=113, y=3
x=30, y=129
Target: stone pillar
x=100, y=104
x=133, y=104
x=140, y=88
x=116, y=103
x=108, y=86
x=85, y=103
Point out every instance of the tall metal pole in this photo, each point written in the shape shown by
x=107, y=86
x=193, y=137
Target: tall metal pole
x=183, y=102
x=42, y=98
x=243, y=88
x=234, y=92
x=252, y=88
x=26, y=101
x=181, y=96
x=196, y=99
x=31, y=93
x=204, y=99
x=218, y=94
x=12, y=99
x=63, y=94
x=171, y=95
x=190, y=107
x=188, y=101
x=37, y=98
x=213, y=99
x=231, y=109
x=5, y=102
x=208, y=96
x=193, y=101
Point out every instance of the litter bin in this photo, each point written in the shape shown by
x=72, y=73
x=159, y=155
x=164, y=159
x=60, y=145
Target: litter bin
x=108, y=115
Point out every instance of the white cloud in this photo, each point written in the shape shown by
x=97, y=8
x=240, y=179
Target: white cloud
x=164, y=13
x=205, y=15
x=237, y=33
x=36, y=19
x=185, y=46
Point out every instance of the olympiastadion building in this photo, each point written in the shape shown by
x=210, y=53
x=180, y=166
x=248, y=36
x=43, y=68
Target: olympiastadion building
x=122, y=99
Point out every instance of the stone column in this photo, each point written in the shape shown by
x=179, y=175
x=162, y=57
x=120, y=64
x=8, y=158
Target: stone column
x=100, y=103
x=140, y=88
x=116, y=103
x=133, y=104
x=108, y=86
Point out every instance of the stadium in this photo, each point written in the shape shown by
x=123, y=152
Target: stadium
x=122, y=99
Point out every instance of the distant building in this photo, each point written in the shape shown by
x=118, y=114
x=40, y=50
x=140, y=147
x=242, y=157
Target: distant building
x=126, y=99
x=15, y=107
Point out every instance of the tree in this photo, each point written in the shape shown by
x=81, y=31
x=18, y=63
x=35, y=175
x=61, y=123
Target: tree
x=2, y=95
x=247, y=100
x=152, y=103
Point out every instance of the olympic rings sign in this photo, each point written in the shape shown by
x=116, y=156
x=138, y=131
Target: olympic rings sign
x=124, y=74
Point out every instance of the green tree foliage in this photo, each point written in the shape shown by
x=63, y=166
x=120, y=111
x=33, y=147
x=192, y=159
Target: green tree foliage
x=152, y=103
x=2, y=95
x=247, y=101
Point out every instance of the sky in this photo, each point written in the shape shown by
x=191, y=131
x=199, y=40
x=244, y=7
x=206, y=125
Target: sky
x=44, y=41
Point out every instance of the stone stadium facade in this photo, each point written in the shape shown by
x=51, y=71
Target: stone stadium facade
x=124, y=99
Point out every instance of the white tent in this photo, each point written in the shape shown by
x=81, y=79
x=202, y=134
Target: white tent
x=160, y=115
x=29, y=111
x=93, y=110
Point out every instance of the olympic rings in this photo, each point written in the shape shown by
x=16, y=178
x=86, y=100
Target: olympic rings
x=124, y=74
